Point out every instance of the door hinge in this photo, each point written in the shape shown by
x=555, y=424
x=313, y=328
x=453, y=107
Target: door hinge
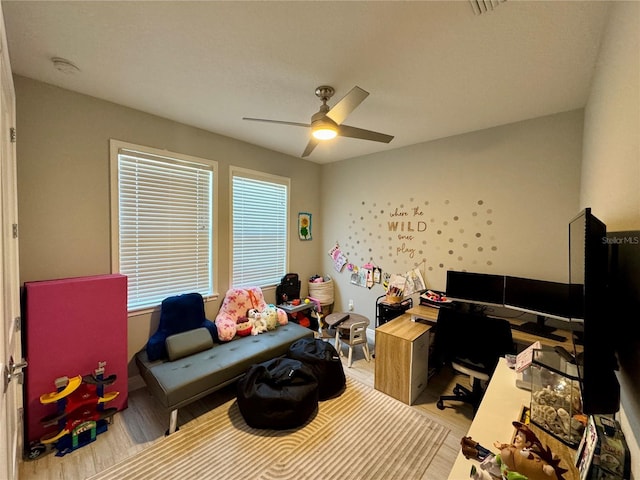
x=12, y=134
x=15, y=230
x=18, y=323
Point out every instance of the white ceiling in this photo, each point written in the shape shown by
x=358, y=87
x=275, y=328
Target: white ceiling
x=433, y=69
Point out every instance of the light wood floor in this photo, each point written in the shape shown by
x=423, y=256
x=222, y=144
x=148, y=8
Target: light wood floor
x=144, y=422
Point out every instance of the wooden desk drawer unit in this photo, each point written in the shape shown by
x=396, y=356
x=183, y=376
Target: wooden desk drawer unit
x=402, y=358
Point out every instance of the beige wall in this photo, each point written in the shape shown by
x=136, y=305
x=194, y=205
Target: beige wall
x=611, y=168
x=611, y=164
x=63, y=186
x=494, y=201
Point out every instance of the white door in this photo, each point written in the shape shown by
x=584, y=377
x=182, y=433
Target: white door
x=10, y=338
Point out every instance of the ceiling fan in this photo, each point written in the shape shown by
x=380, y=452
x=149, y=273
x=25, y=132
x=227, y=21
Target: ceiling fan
x=327, y=122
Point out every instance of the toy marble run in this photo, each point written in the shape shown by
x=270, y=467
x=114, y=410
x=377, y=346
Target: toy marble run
x=80, y=415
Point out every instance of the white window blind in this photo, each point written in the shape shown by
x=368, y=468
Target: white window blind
x=259, y=231
x=165, y=227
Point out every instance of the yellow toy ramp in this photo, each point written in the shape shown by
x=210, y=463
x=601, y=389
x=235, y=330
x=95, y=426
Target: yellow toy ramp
x=55, y=437
x=108, y=397
x=71, y=387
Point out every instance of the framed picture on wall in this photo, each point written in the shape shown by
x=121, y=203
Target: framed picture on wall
x=304, y=226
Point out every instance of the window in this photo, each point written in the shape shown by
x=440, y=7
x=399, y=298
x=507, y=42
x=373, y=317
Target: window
x=162, y=223
x=260, y=208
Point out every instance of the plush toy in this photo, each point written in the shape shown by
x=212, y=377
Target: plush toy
x=259, y=326
x=257, y=321
x=244, y=326
x=270, y=316
x=524, y=459
x=283, y=318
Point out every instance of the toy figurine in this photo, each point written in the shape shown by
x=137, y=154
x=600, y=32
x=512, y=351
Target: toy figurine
x=524, y=459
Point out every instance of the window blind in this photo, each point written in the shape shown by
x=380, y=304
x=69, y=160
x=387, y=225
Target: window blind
x=259, y=231
x=165, y=227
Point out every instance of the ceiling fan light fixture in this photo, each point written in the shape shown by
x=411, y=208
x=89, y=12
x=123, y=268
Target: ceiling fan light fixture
x=324, y=130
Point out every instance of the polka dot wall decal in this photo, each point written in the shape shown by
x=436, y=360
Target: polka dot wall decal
x=409, y=229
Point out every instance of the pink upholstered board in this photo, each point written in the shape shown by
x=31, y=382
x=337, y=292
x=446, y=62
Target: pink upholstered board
x=71, y=325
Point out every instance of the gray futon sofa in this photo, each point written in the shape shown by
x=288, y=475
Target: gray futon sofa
x=197, y=367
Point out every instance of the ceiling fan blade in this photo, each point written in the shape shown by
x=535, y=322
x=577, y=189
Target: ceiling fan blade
x=347, y=104
x=310, y=146
x=296, y=124
x=354, y=132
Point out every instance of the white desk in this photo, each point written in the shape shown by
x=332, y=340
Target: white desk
x=500, y=406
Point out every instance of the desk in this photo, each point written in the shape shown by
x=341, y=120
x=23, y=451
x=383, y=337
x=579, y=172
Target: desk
x=500, y=406
x=430, y=314
x=402, y=358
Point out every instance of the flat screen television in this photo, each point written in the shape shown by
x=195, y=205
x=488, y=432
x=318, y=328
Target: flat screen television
x=478, y=288
x=588, y=268
x=542, y=298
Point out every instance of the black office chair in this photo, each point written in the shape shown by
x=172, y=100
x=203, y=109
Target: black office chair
x=472, y=345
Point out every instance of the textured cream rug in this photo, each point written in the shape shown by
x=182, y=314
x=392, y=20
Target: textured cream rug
x=362, y=434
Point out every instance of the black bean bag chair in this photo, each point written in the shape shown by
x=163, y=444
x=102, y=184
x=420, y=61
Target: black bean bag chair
x=278, y=394
x=324, y=361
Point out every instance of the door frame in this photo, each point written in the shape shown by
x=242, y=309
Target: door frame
x=11, y=399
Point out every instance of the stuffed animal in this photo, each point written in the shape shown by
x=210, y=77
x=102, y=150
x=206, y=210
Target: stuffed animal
x=270, y=315
x=526, y=458
x=259, y=325
x=283, y=318
x=244, y=326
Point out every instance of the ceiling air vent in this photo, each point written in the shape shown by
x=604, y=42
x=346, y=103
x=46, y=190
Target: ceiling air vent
x=484, y=6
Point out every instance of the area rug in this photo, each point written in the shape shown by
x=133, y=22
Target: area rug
x=362, y=434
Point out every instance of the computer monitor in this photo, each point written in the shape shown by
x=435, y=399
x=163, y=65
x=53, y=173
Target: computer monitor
x=542, y=298
x=477, y=288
